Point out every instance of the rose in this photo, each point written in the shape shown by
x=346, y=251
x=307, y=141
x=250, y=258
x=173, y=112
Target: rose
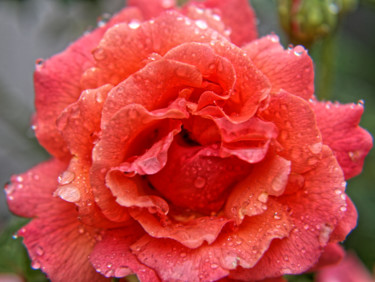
x=178, y=155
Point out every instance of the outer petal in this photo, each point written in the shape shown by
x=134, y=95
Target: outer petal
x=57, y=242
x=291, y=69
x=339, y=125
x=250, y=196
x=79, y=123
x=30, y=190
x=152, y=8
x=332, y=254
x=238, y=16
x=298, y=132
x=315, y=211
x=57, y=84
x=244, y=247
x=349, y=270
x=113, y=258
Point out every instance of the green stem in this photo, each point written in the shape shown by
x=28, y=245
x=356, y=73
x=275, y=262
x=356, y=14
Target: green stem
x=326, y=68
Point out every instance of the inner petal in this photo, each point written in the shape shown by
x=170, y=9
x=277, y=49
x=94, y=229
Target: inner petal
x=195, y=177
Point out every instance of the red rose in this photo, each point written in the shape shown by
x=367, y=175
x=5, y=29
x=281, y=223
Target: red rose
x=179, y=156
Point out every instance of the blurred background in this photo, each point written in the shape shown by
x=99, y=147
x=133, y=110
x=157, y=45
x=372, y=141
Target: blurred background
x=32, y=29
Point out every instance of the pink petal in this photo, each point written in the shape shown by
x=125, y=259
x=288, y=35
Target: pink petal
x=291, y=69
x=57, y=84
x=121, y=138
x=244, y=247
x=250, y=196
x=298, y=132
x=339, y=125
x=198, y=179
x=152, y=8
x=332, y=254
x=315, y=211
x=32, y=189
x=187, y=233
x=349, y=270
x=59, y=244
x=238, y=16
x=112, y=256
x=79, y=123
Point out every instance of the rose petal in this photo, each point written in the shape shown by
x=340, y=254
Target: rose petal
x=291, y=69
x=187, y=233
x=315, y=211
x=250, y=196
x=298, y=131
x=347, y=223
x=59, y=244
x=57, y=83
x=112, y=256
x=121, y=139
x=152, y=8
x=198, y=179
x=332, y=254
x=32, y=189
x=238, y=16
x=79, y=123
x=349, y=270
x=242, y=247
x=153, y=87
x=339, y=125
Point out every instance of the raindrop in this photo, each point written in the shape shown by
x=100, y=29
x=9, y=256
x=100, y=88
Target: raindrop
x=66, y=177
x=134, y=24
x=35, y=264
x=201, y=24
x=183, y=255
x=9, y=189
x=81, y=230
x=361, y=102
x=216, y=17
x=39, y=251
x=306, y=227
x=200, y=182
x=263, y=197
x=214, y=266
x=103, y=19
x=343, y=209
x=316, y=148
x=276, y=216
x=69, y=193
x=338, y=192
x=99, y=54
x=122, y=271
x=299, y=50
x=15, y=236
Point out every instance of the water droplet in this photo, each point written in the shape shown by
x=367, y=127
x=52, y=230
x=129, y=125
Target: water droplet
x=216, y=17
x=99, y=97
x=81, y=230
x=9, y=189
x=183, y=255
x=354, y=156
x=276, y=216
x=39, y=251
x=66, y=177
x=103, y=19
x=343, y=209
x=325, y=232
x=316, y=148
x=122, y=271
x=35, y=264
x=69, y=193
x=306, y=227
x=99, y=54
x=214, y=265
x=361, y=102
x=134, y=24
x=200, y=182
x=299, y=50
x=15, y=236
x=201, y=24
x=263, y=197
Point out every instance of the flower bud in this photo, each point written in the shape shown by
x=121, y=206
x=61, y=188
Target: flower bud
x=307, y=20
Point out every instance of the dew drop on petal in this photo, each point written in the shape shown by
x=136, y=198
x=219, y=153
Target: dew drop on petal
x=299, y=50
x=66, y=177
x=99, y=54
x=122, y=271
x=214, y=266
x=200, y=182
x=134, y=24
x=35, y=265
x=201, y=24
x=263, y=197
x=39, y=251
x=316, y=148
x=69, y=193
